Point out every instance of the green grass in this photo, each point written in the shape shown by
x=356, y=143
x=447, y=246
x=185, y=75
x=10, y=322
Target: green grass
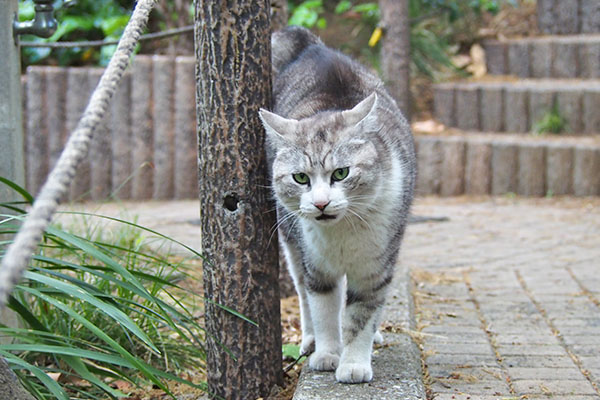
x=97, y=307
x=551, y=122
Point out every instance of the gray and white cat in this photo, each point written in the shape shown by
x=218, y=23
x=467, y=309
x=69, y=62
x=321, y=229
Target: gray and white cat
x=343, y=170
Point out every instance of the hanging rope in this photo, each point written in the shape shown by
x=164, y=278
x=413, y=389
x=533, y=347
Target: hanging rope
x=16, y=259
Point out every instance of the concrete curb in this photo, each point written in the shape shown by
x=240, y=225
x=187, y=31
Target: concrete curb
x=396, y=365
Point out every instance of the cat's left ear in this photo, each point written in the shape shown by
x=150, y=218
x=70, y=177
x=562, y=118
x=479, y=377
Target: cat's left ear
x=363, y=112
x=277, y=127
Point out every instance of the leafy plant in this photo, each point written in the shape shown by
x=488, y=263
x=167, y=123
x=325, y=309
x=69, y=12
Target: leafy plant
x=96, y=312
x=307, y=14
x=551, y=122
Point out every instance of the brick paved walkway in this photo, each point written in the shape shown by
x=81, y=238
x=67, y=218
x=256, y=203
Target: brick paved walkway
x=507, y=297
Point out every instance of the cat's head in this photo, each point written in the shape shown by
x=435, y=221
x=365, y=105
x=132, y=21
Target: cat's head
x=326, y=167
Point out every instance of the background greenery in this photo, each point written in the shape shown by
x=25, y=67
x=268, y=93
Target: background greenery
x=435, y=25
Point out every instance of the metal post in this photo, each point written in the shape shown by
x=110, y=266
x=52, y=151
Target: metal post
x=11, y=124
x=11, y=120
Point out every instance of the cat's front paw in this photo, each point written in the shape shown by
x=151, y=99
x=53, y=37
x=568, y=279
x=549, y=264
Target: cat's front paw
x=324, y=361
x=308, y=344
x=354, y=373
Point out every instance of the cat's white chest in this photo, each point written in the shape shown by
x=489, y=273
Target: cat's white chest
x=347, y=249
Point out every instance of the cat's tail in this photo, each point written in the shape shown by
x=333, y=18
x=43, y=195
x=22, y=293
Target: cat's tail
x=288, y=43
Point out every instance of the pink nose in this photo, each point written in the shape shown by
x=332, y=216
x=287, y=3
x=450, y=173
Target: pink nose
x=321, y=205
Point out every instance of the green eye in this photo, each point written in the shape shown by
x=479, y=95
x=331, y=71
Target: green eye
x=301, y=178
x=340, y=174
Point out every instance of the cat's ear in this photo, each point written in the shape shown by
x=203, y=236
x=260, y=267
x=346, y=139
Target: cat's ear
x=362, y=111
x=277, y=127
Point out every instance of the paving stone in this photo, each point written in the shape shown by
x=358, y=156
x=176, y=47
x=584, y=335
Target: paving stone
x=495, y=57
x=496, y=387
x=443, y=104
x=453, y=167
x=530, y=349
x=478, y=168
x=459, y=348
x=532, y=361
x=462, y=359
x=491, y=108
x=462, y=338
x=532, y=170
x=584, y=338
x=504, y=339
x=467, y=107
x=518, y=59
x=559, y=169
x=471, y=373
x=536, y=373
x=556, y=387
x=515, y=109
x=461, y=396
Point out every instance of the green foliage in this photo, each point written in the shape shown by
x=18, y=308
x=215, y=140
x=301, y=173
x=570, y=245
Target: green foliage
x=307, y=14
x=551, y=122
x=97, y=309
x=79, y=20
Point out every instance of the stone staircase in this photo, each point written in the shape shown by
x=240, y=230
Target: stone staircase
x=488, y=148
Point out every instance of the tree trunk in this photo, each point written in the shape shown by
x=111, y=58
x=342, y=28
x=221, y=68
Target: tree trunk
x=241, y=268
x=10, y=385
x=395, y=51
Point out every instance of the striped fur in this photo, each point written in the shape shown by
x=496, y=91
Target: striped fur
x=341, y=237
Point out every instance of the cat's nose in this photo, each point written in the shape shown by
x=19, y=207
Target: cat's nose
x=321, y=205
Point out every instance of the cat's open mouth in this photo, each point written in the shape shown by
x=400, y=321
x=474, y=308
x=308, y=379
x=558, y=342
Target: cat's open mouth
x=325, y=216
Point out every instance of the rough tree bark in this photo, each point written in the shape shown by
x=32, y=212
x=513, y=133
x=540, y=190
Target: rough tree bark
x=241, y=268
x=395, y=51
x=10, y=387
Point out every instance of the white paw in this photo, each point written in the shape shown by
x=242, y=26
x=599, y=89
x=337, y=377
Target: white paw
x=324, y=361
x=308, y=344
x=354, y=373
x=378, y=339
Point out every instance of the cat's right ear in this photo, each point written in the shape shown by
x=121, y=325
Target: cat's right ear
x=277, y=127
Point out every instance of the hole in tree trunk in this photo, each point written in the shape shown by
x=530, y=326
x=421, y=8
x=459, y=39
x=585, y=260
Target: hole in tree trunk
x=230, y=201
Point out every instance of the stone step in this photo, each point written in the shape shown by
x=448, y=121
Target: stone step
x=568, y=16
x=477, y=163
x=516, y=105
x=573, y=56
